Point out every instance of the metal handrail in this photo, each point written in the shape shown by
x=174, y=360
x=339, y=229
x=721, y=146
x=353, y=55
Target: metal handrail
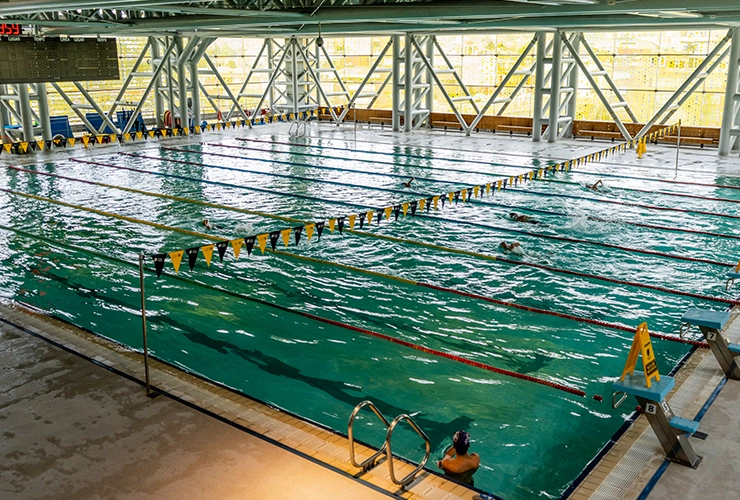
x=410, y=477
x=370, y=462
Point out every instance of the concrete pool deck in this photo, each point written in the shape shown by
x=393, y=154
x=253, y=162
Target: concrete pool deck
x=104, y=438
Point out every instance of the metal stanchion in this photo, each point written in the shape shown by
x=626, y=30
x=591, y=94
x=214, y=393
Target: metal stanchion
x=678, y=143
x=149, y=392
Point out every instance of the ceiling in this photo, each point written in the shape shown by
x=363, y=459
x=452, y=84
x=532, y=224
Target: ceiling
x=361, y=17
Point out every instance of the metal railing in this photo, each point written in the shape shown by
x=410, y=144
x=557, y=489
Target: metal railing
x=386, y=448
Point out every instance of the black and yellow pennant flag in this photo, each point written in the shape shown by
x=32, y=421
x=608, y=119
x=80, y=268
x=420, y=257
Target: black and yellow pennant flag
x=192, y=254
x=207, y=253
x=262, y=242
x=249, y=243
x=388, y=211
x=319, y=228
x=413, y=208
x=340, y=224
x=309, y=230
x=237, y=246
x=221, y=246
x=176, y=258
x=285, y=233
x=274, y=236
x=351, y=222
x=159, y=263
x=297, y=232
x=422, y=203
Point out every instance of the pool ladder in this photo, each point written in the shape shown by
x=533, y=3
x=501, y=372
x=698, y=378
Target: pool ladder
x=386, y=448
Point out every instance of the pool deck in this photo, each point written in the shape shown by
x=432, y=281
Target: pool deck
x=82, y=429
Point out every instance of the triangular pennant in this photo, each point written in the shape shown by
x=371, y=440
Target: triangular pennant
x=388, y=211
x=127, y=136
x=207, y=253
x=99, y=138
x=32, y=145
x=422, y=202
x=499, y=184
x=139, y=135
x=262, y=242
x=413, y=208
x=488, y=188
x=331, y=224
x=249, y=243
x=159, y=263
x=237, y=246
x=352, y=221
x=309, y=231
x=451, y=196
x=151, y=134
x=405, y=207
x=176, y=258
x=274, y=236
x=457, y=197
x=286, y=236
x=396, y=210
x=476, y=191
x=85, y=140
x=340, y=224
x=221, y=246
x=428, y=203
x=192, y=254
x=297, y=232
x=175, y=132
x=48, y=144
x=70, y=141
x=197, y=129
x=370, y=217
x=7, y=147
x=40, y=145
x=362, y=218
x=436, y=202
x=319, y=229
x=464, y=194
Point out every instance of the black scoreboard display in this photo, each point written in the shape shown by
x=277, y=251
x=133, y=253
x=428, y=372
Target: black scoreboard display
x=30, y=59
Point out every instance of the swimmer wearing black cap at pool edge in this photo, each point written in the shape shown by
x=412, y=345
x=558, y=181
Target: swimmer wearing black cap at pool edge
x=457, y=462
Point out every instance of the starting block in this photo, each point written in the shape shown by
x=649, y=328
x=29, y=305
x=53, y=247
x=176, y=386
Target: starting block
x=711, y=324
x=651, y=389
x=732, y=276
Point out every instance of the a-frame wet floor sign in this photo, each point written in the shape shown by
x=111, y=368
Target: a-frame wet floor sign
x=642, y=344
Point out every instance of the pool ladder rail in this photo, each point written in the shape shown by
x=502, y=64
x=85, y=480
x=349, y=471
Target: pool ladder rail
x=372, y=461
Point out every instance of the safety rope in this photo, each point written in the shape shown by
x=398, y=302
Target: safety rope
x=365, y=331
x=478, y=201
x=454, y=221
x=469, y=253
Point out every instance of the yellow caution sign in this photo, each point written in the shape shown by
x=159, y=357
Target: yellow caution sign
x=642, y=345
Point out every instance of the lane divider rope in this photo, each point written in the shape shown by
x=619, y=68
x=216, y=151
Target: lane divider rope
x=393, y=239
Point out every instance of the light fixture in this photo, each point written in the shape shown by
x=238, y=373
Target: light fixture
x=319, y=40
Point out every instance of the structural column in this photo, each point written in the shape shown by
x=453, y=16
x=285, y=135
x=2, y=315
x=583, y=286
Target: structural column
x=539, y=82
x=408, y=85
x=43, y=101
x=556, y=73
x=26, y=116
x=396, y=72
x=573, y=83
x=430, y=79
x=182, y=83
x=158, y=104
x=731, y=97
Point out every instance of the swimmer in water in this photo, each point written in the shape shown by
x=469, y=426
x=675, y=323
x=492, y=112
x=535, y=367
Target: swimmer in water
x=523, y=218
x=208, y=225
x=513, y=247
x=408, y=183
x=598, y=186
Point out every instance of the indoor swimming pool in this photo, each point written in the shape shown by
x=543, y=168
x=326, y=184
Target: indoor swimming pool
x=645, y=246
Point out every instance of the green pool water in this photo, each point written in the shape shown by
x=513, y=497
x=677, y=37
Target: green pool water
x=533, y=440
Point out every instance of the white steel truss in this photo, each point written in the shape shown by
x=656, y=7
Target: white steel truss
x=18, y=116
x=558, y=84
x=375, y=93
x=730, y=131
x=414, y=85
x=683, y=92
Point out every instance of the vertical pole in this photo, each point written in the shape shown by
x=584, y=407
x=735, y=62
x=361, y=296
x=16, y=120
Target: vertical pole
x=43, y=101
x=731, y=91
x=170, y=90
x=3, y=116
x=539, y=82
x=294, y=73
x=143, y=324
x=430, y=79
x=556, y=73
x=26, y=116
x=408, y=85
x=573, y=83
x=271, y=66
x=195, y=91
x=182, y=82
x=158, y=104
x=396, y=82
x=678, y=143
x=317, y=55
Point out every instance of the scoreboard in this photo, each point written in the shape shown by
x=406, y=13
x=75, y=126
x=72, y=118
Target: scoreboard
x=30, y=59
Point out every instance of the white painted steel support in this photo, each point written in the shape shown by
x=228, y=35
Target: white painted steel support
x=396, y=74
x=408, y=84
x=73, y=106
x=358, y=93
x=105, y=117
x=273, y=77
x=553, y=125
x=315, y=77
x=455, y=74
x=685, y=85
x=729, y=132
x=266, y=47
x=597, y=89
x=26, y=116
x=44, y=120
x=539, y=83
x=3, y=115
x=621, y=101
x=271, y=67
x=294, y=76
x=182, y=89
x=225, y=86
x=431, y=41
x=158, y=104
x=572, y=80
x=170, y=83
x=142, y=100
x=512, y=72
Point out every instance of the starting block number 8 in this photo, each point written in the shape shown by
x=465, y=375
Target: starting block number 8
x=651, y=408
